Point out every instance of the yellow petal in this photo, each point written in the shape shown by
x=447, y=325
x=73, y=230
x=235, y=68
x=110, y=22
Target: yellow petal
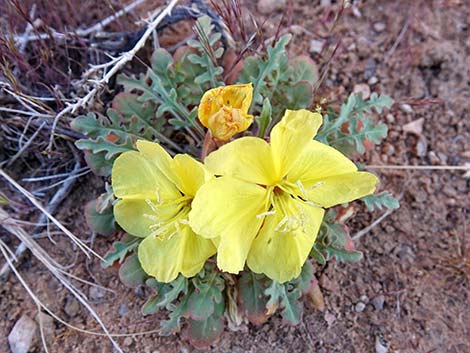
x=343, y=188
x=318, y=161
x=285, y=240
x=185, y=252
x=238, y=96
x=290, y=136
x=227, y=208
x=133, y=176
x=191, y=174
x=247, y=158
x=135, y=216
x=159, y=157
x=227, y=122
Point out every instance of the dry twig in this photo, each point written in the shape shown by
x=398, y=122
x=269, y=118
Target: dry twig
x=114, y=66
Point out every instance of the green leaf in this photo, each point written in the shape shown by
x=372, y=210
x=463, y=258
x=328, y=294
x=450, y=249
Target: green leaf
x=304, y=281
x=177, y=312
x=317, y=255
x=265, y=73
x=100, y=222
x=208, y=288
x=287, y=296
x=344, y=255
x=206, y=54
x=120, y=251
x=303, y=68
x=131, y=272
x=353, y=126
x=299, y=95
x=253, y=301
x=264, y=119
x=203, y=333
x=380, y=201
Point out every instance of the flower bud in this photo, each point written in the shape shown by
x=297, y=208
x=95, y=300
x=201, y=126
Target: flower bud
x=224, y=110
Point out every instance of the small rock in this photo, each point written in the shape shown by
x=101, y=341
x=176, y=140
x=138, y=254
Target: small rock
x=47, y=323
x=127, y=341
x=72, y=306
x=421, y=147
x=390, y=118
x=378, y=302
x=406, y=108
x=373, y=80
x=96, y=293
x=415, y=127
x=316, y=46
x=356, y=12
x=364, y=299
x=123, y=310
x=379, y=26
x=21, y=336
x=362, y=88
x=329, y=318
x=381, y=345
x=265, y=7
x=325, y=3
x=359, y=308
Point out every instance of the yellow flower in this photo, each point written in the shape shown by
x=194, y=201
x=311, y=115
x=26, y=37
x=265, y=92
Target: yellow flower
x=267, y=206
x=224, y=110
x=155, y=194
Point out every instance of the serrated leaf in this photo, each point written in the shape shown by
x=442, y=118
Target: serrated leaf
x=177, y=312
x=360, y=127
x=344, y=255
x=131, y=272
x=304, y=281
x=100, y=222
x=119, y=252
x=207, y=293
x=287, y=297
x=253, y=301
x=380, y=201
x=318, y=256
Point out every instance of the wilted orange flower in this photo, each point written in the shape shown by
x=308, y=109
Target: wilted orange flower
x=224, y=110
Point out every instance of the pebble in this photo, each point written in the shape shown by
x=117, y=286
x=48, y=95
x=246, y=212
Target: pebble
x=127, y=341
x=96, y=293
x=414, y=127
x=381, y=345
x=378, y=302
x=406, y=108
x=373, y=80
x=390, y=118
x=21, y=336
x=379, y=26
x=72, y=306
x=359, y=308
x=356, y=12
x=123, y=310
x=266, y=7
x=324, y=3
x=316, y=46
x=362, y=88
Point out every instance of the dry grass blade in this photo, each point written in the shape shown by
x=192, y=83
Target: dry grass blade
x=51, y=265
x=38, y=205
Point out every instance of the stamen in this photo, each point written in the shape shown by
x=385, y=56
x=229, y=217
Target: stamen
x=265, y=214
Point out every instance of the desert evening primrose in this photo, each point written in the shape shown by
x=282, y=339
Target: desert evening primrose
x=155, y=193
x=224, y=110
x=267, y=206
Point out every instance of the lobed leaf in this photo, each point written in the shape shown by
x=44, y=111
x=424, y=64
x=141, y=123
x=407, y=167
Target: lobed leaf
x=380, y=201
